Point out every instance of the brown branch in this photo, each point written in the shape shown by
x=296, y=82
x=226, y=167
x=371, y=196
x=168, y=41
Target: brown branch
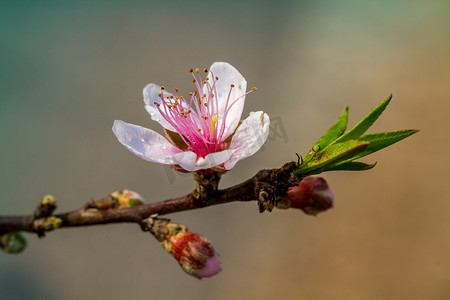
x=265, y=187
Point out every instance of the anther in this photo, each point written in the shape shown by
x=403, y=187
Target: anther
x=196, y=70
x=254, y=88
x=159, y=94
x=217, y=78
x=190, y=70
x=193, y=80
x=212, y=96
x=176, y=90
x=162, y=88
x=205, y=70
x=232, y=85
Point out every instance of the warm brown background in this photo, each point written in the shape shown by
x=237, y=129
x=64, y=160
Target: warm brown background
x=67, y=71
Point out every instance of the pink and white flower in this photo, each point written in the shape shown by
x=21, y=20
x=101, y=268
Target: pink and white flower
x=204, y=131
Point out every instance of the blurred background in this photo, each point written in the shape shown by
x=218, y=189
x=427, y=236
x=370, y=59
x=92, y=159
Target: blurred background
x=69, y=69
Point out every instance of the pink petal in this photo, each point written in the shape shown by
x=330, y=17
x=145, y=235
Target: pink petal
x=228, y=75
x=145, y=143
x=212, y=267
x=188, y=160
x=249, y=137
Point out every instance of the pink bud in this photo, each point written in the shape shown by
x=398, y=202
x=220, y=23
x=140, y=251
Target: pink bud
x=312, y=195
x=195, y=254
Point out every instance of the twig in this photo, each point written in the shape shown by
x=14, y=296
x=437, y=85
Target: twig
x=265, y=187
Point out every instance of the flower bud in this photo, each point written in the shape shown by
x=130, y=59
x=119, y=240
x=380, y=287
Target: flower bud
x=118, y=199
x=127, y=198
x=47, y=224
x=312, y=195
x=12, y=242
x=194, y=253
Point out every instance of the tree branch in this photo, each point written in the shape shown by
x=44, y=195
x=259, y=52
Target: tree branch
x=265, y=187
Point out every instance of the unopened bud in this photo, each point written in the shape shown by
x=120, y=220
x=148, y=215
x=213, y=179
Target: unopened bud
x=45, y=207
x=127, y=198
x=312, y=195
x=46, y=224
x=12, y=242
x=194, y=253
x=118, y=199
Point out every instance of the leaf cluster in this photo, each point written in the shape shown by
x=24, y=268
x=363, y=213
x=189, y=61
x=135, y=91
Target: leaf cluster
x=337, y=150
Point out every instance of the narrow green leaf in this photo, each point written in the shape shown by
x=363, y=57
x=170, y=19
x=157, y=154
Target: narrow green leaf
x=381, y=140
x=334, y=132
x=332, y=154
x=351, y=166
x=362, y=126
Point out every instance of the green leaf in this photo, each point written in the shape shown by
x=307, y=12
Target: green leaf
x=381, y=140
x=350, y=166
x=360, y=128
x=334, y=132
x=332, y=154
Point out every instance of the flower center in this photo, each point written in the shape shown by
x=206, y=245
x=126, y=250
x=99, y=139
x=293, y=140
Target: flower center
x=198, y=121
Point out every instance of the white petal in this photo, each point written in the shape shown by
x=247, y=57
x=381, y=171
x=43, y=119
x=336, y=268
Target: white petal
x=151, y=92
x=249, y=137
x=188, y=160
x=145, y=143
x=214, y=159
x=228, y=75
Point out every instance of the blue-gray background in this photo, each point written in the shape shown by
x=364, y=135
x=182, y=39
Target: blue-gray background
x=69, y=69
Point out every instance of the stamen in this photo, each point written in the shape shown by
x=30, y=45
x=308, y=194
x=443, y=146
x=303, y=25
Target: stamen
x=213, y=124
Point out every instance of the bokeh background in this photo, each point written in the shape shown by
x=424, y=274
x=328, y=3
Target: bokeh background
x=69, y=69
